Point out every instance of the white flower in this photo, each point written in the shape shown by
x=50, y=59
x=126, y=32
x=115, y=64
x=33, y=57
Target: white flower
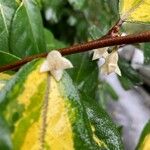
x=55, y=63
x=100, y=52
x=111, y=64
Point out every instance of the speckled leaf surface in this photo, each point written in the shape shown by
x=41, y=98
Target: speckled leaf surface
x=31, y=99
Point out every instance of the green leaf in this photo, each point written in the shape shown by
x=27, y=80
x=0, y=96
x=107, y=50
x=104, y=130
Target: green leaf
x=6, y=58
x=109, y=90
x=85, y=76
x=85, y=73
x=147, y=53
x=27, y=35
x=102, y=13
x=51, y=42
x=144, y=142
x=135, y=10
x=5, y=140
x=126, y=82
x=105, y=129
x=77, y=4
x=7, y=8
x=95, y=32
x=130, y=77
x=104, y=92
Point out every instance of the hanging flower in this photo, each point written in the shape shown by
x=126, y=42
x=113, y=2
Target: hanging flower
x=55, y=63
x=100, y=53
x=111, y=64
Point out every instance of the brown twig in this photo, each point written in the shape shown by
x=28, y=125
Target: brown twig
x=115, y=29
x=104, y=42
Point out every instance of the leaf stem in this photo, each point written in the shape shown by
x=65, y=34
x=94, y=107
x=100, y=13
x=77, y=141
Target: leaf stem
x=83, y=47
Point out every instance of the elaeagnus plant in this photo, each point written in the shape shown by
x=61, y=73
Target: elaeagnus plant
x=51, y=97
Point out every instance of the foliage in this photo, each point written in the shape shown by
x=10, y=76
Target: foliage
x=67, y=123
x=29, y=27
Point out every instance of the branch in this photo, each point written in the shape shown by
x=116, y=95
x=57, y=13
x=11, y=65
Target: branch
x=83, y=47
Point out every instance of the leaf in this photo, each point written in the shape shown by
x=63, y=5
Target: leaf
x=104, y=127
x=6, y=58
x=147, y=53
x=85, y=73
x=135, y=10
x=51, y=42
x=5, y=140
x=126, y=82
x=109, y=90
x=103, y=14
x=7, y=9
x=27, y=35
x=104, y=93
x=144, y=142
x=43, y=113
x=130, y=79
x=95, y=32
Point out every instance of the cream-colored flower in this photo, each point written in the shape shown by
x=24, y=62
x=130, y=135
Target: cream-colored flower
x=100, y=53
x=111, y=64
x=55, y=63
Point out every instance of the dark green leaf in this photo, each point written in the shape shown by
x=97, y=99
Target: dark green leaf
x=6, y=58
x=84, y=73
x=129, y=77
x=7, y=8
x=126, y=82
x=51, y=42
x=102, y=13
x=147, y=53
x=27, y=35
x=104, y=92
x=109, y=89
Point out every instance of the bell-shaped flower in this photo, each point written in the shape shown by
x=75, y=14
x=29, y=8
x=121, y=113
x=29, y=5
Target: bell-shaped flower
x=111, y=64
x=100, y=53
x=55, y=63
